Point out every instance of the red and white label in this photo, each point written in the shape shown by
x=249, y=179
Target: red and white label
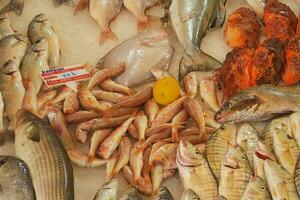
x=64, y=75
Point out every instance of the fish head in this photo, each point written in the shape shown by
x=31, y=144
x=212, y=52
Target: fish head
x=238, y=107
x=188, y=155
x=40, y=18
x=247, y=134
x=235, y=157
x=227, y=130
x=257, y=187
x=189, y=194
x=10, y=68
x=263, y=152
x=40, y=46
x=283, y=139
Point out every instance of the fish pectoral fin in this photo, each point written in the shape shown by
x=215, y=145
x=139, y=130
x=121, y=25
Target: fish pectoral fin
x=33, y=134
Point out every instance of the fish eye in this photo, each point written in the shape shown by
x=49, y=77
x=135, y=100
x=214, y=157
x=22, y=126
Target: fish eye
x=289, y=137
x=243, y=157
x=263, y=187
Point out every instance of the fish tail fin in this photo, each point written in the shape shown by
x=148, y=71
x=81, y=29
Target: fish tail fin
x=15, y=6
x=81, y=5
x=107, y=34
x=197, y=62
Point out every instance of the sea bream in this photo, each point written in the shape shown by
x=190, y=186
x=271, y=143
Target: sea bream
x=191, y=20
x=108, y=191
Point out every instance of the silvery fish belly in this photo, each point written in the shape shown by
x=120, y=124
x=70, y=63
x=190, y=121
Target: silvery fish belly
x=140, y=54
x=50, y=167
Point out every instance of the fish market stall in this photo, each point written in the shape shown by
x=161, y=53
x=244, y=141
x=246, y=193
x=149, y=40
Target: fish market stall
x=120, y=107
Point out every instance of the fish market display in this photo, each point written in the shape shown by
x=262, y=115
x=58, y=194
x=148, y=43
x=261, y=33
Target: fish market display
x=15, y=179
x=108, y=191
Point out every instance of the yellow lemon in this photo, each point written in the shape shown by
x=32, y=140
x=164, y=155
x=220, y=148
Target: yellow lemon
x=166, y=90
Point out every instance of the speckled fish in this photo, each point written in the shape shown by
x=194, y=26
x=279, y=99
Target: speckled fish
x=191, y=19
x=15, y=6
x=35, y=60
x=13, y=47
x=40, y=27
x=257, y=103
x=131, y=194
x=281, y=183
x=216, y=146
x=108, y=191
x=247, y=137
x=189, y=195
x=195, y=173
x=15, y=180
x=163, y=194
x=12, y=90
x=256, y=189
x=5, y=26
x=235, y=173
x=50, y=167
x=140, y=53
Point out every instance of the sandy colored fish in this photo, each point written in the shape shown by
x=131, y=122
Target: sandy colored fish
x=71, y=103
x=216, y=146
x=131, y=194
x=15, y=179
x=208, y=93
x=104, y=11
x=140, y=53
x=5, y=26
x=247, y=137
x=47, y=160
x=151, y=109
x=295, y=126
x=194, y=172
x=13, y=47
x=15, y=6
x=297, y=176
x=40, y=27
x=281, y=183
x=163, y=194
x=35, y=60
x=257, y=103
x=108, y=191
x=189, y=195
x=80, y=159
x=12, y=90
x=191, y=20
x=235, y=173
x=256, y=189
x=286, y=150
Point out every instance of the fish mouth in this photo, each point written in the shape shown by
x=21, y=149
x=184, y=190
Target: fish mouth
x=41, y=17
x=185, y=157
x=231, y=162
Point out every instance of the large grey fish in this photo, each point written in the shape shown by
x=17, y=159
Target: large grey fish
x=260, y=103
x=191, y=20
x=163, y=194
x=216, y=146
x=50, y=167
x=194, y=171
x=15, y=181
x=13, y=47
x=40, y=27
x=256, y=189
x=189, y=195
x=35, y=60
x=15, y=6
x=5, y=26
x=131, y=194
x=108, y=191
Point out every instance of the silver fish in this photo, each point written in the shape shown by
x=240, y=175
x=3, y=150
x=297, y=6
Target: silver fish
x=189, y=195
x=131, y=194
x=5, y=26
x=108, y=191
x=15, y=6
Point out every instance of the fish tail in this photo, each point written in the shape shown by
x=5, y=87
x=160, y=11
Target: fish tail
x=15, y=6
x=197, y=62
x=81, y=5
x=89, y=159
x=107, y=34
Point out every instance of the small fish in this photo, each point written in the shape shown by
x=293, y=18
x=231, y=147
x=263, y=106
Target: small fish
x=108, y=191
x=165, y=155
x=133, y=132
x=136, y=160
x=40, y=27
x=71, y=103
x=82, y=116
x=78, y=158
x=107, y=96
x=163, y=194
x=190, y=84
x=119, y=112
x=141, y=124
x=45, y=97
x=216, y=146
x=188, y=194
x=15, y=6
x=89, y=102
x=256, y=189
x=157, y=176
x=5, y=26
x=181, y=117
x=124, y=149
x=111, y=86
x=131, y=194
x=209, y=94
x=194, y=171
x=111, y=164
x=235, y=173
x=15, y=179
x=151, y=109
x=257, y=103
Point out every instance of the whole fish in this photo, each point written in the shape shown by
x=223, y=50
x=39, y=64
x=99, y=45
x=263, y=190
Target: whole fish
x=257, y=103
x=281, y=183
x=111, y=86
x=35, y=60
x=191, y=19
x=235, y=173
x=247, y=137
x=12, y=90
x=216, y=146
x=15, y=6
x=189, y=195
x=194, y=172
x=5, y=26
x=124, y=155
x=256, y=189
x=80, y=159
x=151, y=109
x=157, y=176
x=104, y=11
x=108, y=191
x=71, y=103
x=13, y=47
x=47, y=160
x=140, y=53
x=286, y=150
x=40, y=27
x=163, y=194
x=131, y=194
x=136, y=160
x=15, y=179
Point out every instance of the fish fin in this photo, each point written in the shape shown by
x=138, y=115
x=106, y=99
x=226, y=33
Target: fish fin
x=15, y=6
x=107, y=34
x=199, y=62
x=81, y=5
